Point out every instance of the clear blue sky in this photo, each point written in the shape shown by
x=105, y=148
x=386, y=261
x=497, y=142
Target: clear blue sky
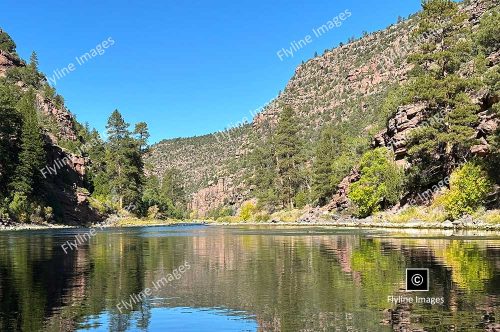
x=186, y=67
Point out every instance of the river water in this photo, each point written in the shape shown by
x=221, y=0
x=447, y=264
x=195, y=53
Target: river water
x=247, y=278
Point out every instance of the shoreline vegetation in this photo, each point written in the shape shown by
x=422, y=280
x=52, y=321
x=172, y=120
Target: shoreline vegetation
x=485, y=221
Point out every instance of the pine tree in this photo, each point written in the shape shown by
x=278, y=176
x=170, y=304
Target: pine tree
x=34, y=61
x=95, y=176
x=327, y=149
x=263, y=172
x=436, y=149
x=10, y=131
x=172, y=185
x=123, y=162
x=32, y=154
x=142, y=132
x=288, y=156
x=117, y=128
x=488, y=32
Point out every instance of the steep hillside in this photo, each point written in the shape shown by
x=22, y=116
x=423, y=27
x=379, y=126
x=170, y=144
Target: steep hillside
x=62, y=178
x=344, y=85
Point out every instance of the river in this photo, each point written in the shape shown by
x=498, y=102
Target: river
x=246, y=278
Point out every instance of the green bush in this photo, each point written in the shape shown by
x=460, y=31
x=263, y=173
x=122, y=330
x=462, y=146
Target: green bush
x=153, y=212
x=220, y=212
x=469, y=188
x=380, y=184
x=301, y=199
x=19, y=207
x=488, y=33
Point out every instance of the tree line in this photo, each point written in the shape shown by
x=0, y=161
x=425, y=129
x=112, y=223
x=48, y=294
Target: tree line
x=115, y=177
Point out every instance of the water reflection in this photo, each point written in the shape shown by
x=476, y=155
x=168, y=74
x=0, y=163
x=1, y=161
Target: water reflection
x=246, y=279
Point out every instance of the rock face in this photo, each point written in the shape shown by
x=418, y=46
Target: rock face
x=65, y=120
x=215, y=195
x=419, y=115
x=340, y=201
x=7, y=61
x=202, y=159
x=407, y=118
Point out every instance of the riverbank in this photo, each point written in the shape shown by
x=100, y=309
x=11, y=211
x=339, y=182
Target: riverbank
x=348, y=222
x=26, y=226
x=356, y=223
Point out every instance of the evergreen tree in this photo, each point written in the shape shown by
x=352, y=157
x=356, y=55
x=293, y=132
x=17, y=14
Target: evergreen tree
x=436, y=149
x=32, y=154
x=488, y=32
x=10, y=131
x=95, y=176
x=288, y=156
x=142, y=132
x=117, y=128
x=34, y=61
x=322, y=167
x=172, y=186
x=166, y=195
x=264, y=174
x=123, y=162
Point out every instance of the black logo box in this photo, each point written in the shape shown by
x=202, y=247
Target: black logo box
x=417, y=279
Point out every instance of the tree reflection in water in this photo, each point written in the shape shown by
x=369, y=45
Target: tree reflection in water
x=282, y=279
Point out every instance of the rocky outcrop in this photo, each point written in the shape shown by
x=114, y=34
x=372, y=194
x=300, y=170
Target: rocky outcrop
x=64, y=120
x=7, y=61
x=63, y=186
x=406, y=119
x=340, y=201
x=217, y=194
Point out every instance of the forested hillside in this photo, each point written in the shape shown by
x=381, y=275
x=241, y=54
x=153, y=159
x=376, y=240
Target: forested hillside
x=311, y=143
x=54, y=169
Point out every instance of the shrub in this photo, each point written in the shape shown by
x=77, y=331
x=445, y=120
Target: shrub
x=153, y=212
x=220, y=212
x=193, y=215
x=262, y=217
x=19, y=207
x=380, y=184
x=102, y=204
x=248, y=209
x=469, y=188
x=287, y=215
x=301, y=199
x=36, y=215
x=228, y=219
x=48, y=213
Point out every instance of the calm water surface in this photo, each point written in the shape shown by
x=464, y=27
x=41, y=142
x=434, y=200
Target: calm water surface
x=246, y=279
